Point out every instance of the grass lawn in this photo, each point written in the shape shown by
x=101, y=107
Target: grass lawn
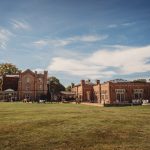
x=73, y=127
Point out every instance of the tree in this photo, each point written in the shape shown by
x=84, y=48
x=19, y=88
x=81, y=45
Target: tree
x=53, y=79
x=140, y=80
x=54, y=86
x=8, y=68
x=68, y=88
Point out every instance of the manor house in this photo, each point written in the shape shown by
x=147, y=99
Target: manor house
x=111, y=92
x=27, y=84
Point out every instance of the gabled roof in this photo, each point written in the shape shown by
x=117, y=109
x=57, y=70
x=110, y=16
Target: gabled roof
x=28, y=71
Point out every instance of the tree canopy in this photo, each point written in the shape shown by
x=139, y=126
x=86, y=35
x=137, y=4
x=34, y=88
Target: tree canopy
x=54, y=85
x=140, y=80
x=8, y=68
x=68, y=88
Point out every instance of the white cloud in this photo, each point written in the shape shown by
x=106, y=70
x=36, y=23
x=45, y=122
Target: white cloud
x=128, y=60
x=17, y=24
x=74, y=66
x=112, y=26
x=128, y=24
x=119, y=47
x=39, y=70
x=40, y=43
x=122, y=24
x=4, y=37
x=89, y=38
x=55, y=43
x=67, y=41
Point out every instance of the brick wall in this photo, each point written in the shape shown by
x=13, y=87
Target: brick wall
x=32, y=85
x=110, y=92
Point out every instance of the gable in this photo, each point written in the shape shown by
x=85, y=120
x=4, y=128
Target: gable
x=28, y=71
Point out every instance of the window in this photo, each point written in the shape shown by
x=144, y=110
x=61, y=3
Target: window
x=27, y=96
x=120, y=90
x=88, y=95
x=40, y=87
x=120, y=95
x=138, y=93
x=102, y=97
x=40, y=80
x=27, y=87
x=104, y=91
x=28, y=79
x=106, y=96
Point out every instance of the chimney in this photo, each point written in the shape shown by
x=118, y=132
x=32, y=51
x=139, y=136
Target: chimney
x=72, y=85
x=88, y=80
x=82, y=82
x=97, y=82
x=45, y=73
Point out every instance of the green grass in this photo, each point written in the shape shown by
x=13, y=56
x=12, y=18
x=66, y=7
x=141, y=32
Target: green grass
x=73, y=127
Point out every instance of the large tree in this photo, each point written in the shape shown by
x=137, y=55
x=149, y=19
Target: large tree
x=68, y=88
x=54, y=86
x=8, y=68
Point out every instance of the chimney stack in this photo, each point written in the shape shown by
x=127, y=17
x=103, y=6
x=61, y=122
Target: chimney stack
x=82, y=82
x=72, y=85
x=97, y=82
x=46, y=73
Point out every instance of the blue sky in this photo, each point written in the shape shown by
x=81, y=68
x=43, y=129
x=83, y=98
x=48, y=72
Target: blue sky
x=73, y=40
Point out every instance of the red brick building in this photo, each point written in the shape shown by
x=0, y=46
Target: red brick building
x=87, y=91
x=124, y=92
x=9, y=87
x=28, y=84
x=32, y=85
x=112, y=92
x=10, y=82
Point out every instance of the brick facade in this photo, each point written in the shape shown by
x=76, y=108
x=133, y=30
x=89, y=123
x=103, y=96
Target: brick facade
x=28, y=84
x=109, y=92
x=10, y=82
x=87, y=91
x=9, y=87
x=128, y=91
x=32, y=85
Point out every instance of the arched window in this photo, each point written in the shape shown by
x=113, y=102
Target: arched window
x=27, y=87
x=28, y=79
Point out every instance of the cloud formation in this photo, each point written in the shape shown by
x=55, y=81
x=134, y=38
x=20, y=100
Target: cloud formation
x=67, y=41
x=126, y=24
x=17, y=24
x=104, y=63
x=55, y=43
x=4, y=37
